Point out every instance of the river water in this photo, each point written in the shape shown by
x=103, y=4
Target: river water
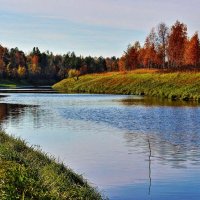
x=128, y=147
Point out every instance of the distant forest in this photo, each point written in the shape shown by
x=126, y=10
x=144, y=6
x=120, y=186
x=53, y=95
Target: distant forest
x=37, y=66
x=164, y=48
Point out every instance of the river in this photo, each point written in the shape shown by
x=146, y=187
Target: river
x=127, y=146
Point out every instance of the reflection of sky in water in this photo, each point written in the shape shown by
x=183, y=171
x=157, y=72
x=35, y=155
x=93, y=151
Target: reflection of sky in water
x=108, y=141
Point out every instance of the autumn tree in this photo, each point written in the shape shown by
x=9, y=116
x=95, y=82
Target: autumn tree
x=176, y=44
x=141, y=58
x=35, y=68
x=122, y=63
x=21, y=71
x=130, y=59
x=112, y=64
x=17, y=58
x=149, y=53
x=192, y=51
x=34, y=64
x=162, y=39
x=132, y=55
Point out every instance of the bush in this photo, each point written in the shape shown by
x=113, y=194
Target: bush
x=73, y=73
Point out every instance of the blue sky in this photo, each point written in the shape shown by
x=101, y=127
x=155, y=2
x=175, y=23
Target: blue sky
x=89, y=27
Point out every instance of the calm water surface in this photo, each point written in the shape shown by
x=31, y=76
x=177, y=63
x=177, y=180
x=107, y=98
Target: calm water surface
x=129, y=147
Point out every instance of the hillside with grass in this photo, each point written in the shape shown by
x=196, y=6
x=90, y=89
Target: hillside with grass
x=26, y=173
x=155, y=83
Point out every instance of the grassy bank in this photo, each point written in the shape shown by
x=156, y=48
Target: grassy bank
x=26, y=173
x=11, y=84
x=177, y=85
x=5, y=83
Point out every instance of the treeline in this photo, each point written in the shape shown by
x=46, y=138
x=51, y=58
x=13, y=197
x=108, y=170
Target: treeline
x=164, y=47
x=37, y=66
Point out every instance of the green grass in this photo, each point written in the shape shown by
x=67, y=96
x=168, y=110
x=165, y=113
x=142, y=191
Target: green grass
x=26, y=173
x=177, y=85
x=11, y=84
x=5, y=83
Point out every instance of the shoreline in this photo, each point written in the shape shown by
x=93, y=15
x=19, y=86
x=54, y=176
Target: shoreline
x=27, y=172
x=175, y=85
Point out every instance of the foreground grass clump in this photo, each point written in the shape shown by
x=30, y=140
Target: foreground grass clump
x=26, y=173
x=177, y=85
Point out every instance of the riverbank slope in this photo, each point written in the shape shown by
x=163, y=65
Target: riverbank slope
x=176, y=85
x=6, y=83
x=26, y=173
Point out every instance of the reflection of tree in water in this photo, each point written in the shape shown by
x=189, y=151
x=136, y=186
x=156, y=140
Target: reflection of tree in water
x=3, y=112
x=15, y=113
x=10, y=111
x=164, y=152
x=149, y=166
x=152, y=101
x=158, y=151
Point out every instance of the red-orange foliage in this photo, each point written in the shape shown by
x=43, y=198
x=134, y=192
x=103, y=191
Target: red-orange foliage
x=192, y=51
x=132, y=56
x=35, y=59
x=149, y=55
x=35, y=68
x=122, y=63
x=163, y=48
x=176, y=44
x=130, y=60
